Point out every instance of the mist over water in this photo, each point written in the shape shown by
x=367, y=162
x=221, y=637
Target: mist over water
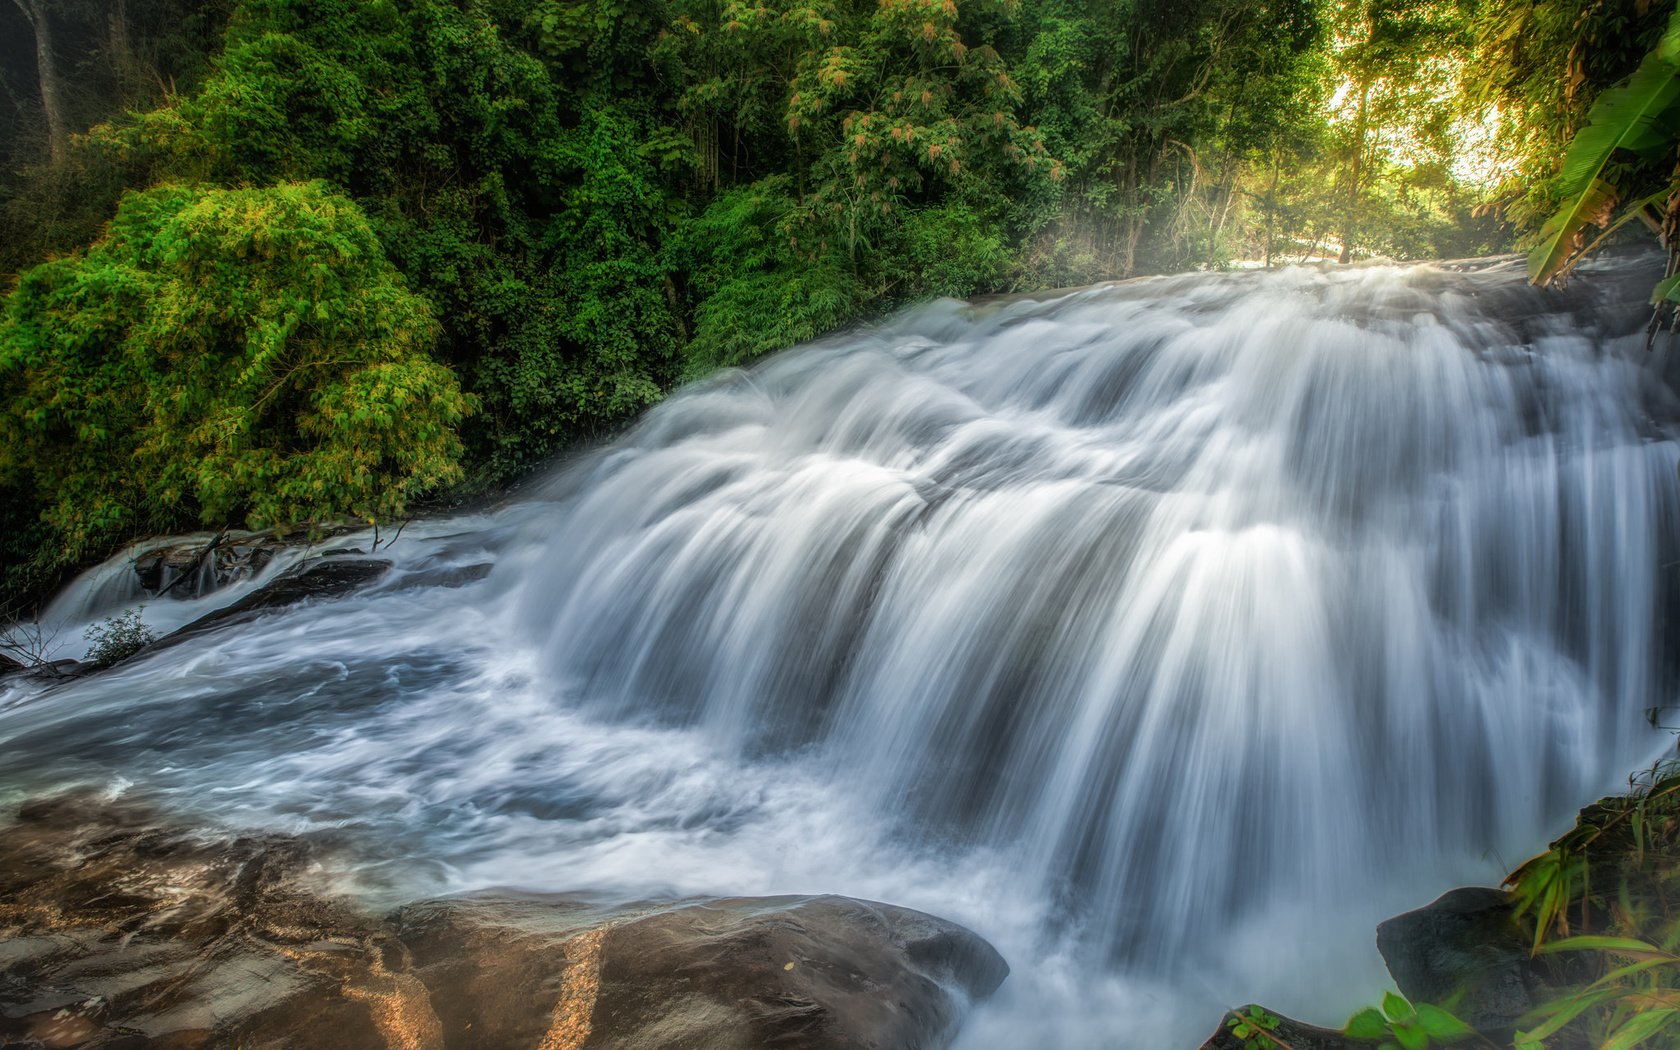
x=1169, y=634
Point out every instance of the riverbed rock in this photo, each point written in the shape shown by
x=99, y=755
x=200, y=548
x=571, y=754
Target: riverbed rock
x=1292, y=1033
x=724, y=974
x=322, y=578
x=1468, y=948
x=120, y=931
x=196, y=568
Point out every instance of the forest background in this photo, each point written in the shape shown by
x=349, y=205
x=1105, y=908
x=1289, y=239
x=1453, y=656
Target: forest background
x=274, y=263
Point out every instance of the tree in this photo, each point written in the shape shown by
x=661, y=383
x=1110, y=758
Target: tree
x=248, y=355
x=1395, y=57
x=40, y=16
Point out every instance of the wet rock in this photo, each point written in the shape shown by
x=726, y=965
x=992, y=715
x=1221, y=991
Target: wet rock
x=443, y=576
x=1292, y=1033
x=192, y=570
x=1467, y=947
x=51, y=670
x=725, y=974
x=318, y=579
x=117, y=931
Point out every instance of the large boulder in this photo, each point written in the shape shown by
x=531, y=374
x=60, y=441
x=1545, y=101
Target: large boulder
x=1467, y=948
x=729, y=974
x=117, y=931
x=1288, y=1032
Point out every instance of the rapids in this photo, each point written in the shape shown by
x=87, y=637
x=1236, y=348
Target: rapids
x=1168, y=634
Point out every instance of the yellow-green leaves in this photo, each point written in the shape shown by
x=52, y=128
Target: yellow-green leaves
x=235, y=355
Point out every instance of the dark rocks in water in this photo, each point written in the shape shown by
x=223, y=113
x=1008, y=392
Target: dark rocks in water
x=319, y=579
x=48, y=669
x=118, y=932
x=8, y=665
x=1467, y=947
x=1293, y=1034
x=443, y=576
x=192, y=570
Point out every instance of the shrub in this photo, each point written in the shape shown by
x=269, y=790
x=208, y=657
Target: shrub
x=242, y=356
x=118, y=638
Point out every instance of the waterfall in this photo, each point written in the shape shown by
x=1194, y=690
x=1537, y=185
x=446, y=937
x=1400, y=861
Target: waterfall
x=1167, y=633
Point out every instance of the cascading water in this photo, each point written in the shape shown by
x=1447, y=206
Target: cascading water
x=1169, y=634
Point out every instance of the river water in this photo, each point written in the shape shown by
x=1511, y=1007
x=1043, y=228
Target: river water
x=1169, y=634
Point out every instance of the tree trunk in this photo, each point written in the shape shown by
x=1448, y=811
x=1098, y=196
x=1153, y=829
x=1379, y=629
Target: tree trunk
x=1271, y=206
x=117, y=43
x=1350, y=226
x=46, y=70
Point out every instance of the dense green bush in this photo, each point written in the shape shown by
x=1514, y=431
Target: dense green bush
x=224, y=355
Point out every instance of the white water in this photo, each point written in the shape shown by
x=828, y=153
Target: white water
x=1170, y=635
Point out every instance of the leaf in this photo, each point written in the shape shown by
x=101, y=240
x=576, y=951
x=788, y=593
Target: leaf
x=1623, y=117
x=1620, y=975
x=1441, y=1024
x=1639, y=1028
x=1629, y=213
x=1669, y=46
x=1621, y=945
x=1395, y=1007
x=1562, y=232
x=1664, y=292
x=1561, y=1011
x=1366, y=1024
x=1411, y=1037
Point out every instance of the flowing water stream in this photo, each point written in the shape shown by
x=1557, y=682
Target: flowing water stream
x=1169, y=634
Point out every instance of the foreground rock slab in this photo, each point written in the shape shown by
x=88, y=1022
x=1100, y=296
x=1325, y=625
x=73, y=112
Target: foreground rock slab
x=1295, y=1035
x=117, y=932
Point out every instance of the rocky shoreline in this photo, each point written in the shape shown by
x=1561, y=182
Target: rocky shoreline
x=119, y=932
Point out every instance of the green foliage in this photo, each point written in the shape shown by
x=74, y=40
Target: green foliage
x=1605, y=897
x=1542, y=63
x=756, y=294
x=1401, y=1025
x=118, y=638
x=1636, y=117
x=238, y=355
x=1616, y=877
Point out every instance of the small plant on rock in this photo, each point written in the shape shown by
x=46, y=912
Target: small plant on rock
x=118, y=638
x=1402, y=1026
x=1257, y=1028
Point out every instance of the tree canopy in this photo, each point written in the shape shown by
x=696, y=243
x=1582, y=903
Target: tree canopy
x=531, y=218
